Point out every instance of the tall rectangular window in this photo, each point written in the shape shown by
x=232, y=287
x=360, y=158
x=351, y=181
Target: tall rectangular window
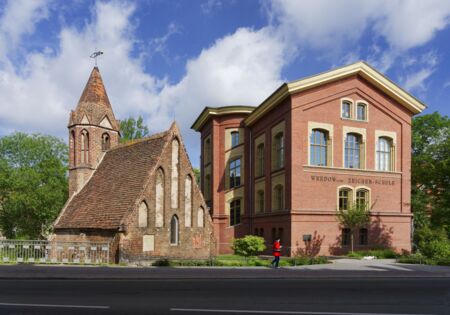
x=346, y=109
x=384, y=154
x=318, y=149
x=345, y=237
x=363, y=236
x=260, y=160
x=235, y=173
x=344, y=198
x=235, y=212
x=234, y=138
x=361, y=112
x=352, y=151
x=279, y=150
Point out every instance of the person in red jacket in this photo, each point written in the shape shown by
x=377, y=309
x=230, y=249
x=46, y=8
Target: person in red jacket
x=276, y=253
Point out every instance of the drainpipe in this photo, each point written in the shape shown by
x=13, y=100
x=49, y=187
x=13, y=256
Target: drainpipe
x=250, y=188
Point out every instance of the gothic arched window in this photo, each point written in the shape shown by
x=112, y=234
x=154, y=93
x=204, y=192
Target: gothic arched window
x=188, y=201
x=159, y=198
x=84, y=146
x=174, y=231
x=106, y=142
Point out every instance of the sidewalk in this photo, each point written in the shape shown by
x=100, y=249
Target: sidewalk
x=340, y=268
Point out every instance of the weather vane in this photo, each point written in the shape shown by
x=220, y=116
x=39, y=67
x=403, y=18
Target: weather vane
x=95, y=55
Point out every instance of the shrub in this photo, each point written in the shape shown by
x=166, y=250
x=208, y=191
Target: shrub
x=249, y=245
x=378, y=253
x=432, y=244
x=162, y=263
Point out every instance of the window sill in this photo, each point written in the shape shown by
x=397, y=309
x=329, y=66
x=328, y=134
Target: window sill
x=355, y=120
x=234, y=188
x=351, y=169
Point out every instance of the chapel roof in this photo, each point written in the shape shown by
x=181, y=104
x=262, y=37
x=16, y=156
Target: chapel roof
x=94, y=103
x=115, y=186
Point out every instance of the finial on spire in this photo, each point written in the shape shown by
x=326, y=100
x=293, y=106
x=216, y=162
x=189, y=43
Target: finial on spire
x=95, y=55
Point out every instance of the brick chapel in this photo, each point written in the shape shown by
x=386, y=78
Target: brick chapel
x=313, y=147
x=140, y=196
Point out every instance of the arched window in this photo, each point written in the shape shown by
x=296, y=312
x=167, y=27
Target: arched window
x=73, y=143
x=235, y=212
x=159, y=198
x=279, y=150
x=384, y=154
x=174, y=231
x=188, y=201
x=346, y=109
x=352, y=153
x=207, y=187
x=84, y=147
x=362, y=198
x=174, y=178
x=279, y=198
x=234, y=138
x=319, y=147
x=200, y=217
x=260, y=160
x=363, y=236
x=235, y=173
x=361, y=111
x=142, y=216
x=106, y=142
x=260, y=201
x=345, y=197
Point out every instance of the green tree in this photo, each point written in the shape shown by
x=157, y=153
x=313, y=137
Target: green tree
x=131, y=128
x=431, y=171
x=356, y=216
x=33, y=184
x=249, y=245
x=197, y=175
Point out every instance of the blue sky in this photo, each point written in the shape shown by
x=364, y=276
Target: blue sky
x=169, y=59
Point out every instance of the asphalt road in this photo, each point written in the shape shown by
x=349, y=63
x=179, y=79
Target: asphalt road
x=337, y=296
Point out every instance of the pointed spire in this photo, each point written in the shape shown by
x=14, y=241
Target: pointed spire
x=94, y=104
x=94, y=91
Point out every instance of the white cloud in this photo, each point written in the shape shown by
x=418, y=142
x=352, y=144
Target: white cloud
x=334, y=26
x=447, y=84
x=209, y=6
x=243, y=67
x=416, y=80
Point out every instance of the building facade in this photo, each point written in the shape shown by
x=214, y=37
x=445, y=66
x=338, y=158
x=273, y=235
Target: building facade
x=140, y=196
x=313, y=147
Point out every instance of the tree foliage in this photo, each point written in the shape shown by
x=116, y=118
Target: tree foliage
x=431, y=171
x=356, y=216
x=131, y=129
x=249, y=245
x=33, y=184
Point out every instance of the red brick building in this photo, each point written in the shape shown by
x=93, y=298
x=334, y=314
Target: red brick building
x=140, y=196
x=316, y=145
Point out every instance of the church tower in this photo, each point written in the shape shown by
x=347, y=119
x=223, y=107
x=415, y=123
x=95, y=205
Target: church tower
x=93, y=129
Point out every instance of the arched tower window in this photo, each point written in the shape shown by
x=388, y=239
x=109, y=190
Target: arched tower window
x=143, y=215
x=73, y=147
x=174, y=231
x=200, y=217
x=174, y=177
x=84, y=146
x=159, y=198
x=188, y=201
x=106, y=142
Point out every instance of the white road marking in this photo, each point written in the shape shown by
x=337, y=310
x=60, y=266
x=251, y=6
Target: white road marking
x=198, y=310
x=56, y=305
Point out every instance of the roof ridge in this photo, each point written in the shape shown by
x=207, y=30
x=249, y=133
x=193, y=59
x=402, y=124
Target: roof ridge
x=140, y=140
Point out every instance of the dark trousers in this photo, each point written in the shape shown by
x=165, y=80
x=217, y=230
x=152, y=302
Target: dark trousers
x=276, y=261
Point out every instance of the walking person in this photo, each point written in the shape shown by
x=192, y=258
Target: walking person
x=276, y=253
